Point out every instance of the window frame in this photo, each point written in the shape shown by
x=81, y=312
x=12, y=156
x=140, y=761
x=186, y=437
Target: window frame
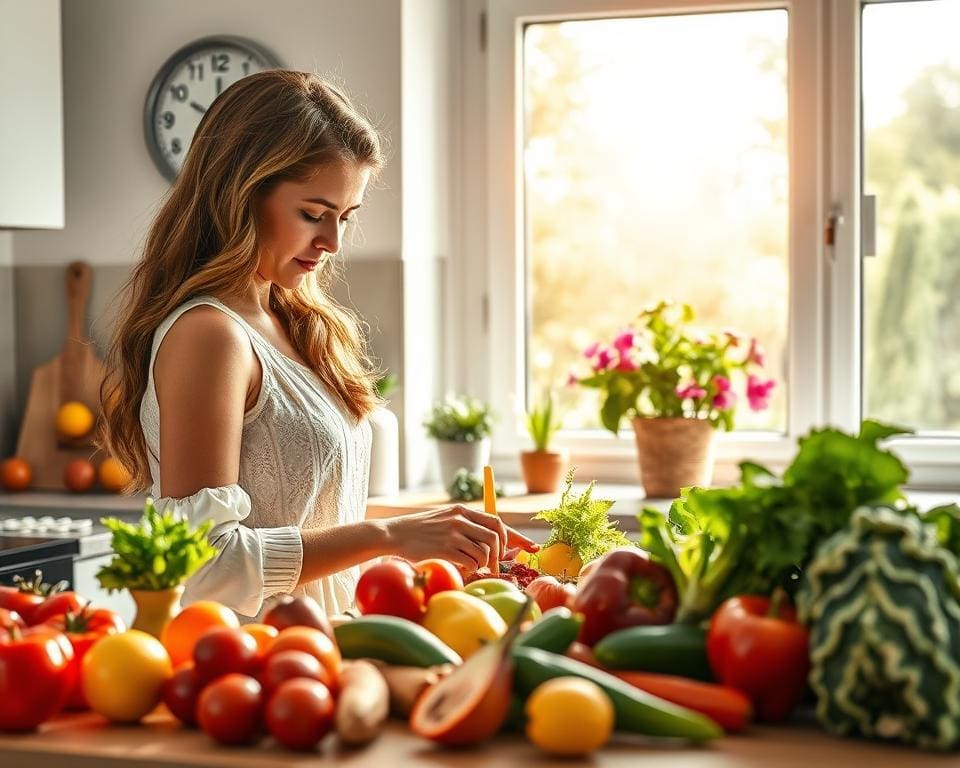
x=824, y=283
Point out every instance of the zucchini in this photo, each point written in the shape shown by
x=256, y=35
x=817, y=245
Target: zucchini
x=670, y=649
x=636, y=710
x=394, y=641
x=555, y=632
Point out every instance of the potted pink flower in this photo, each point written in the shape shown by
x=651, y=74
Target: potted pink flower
x=677, y=387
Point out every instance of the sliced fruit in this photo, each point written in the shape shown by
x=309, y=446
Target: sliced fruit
x=464, y=622
x=472, y=703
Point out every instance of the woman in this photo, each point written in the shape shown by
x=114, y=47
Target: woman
x=239, y=389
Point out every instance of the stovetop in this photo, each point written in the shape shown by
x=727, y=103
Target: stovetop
x=16, y=550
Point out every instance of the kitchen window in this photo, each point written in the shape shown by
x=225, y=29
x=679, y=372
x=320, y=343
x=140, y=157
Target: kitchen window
x=620, y=152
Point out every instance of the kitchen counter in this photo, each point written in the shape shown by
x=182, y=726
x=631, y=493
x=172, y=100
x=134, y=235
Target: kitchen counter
x=86, y=741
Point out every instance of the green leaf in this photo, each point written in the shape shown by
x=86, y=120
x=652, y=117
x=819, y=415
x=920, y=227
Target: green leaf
x=874, y=431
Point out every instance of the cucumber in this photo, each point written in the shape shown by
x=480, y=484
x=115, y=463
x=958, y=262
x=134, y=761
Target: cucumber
x=555, y=632
x=672, y=649
x=393, y=640
x=636, y=711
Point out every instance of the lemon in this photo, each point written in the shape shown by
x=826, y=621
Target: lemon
x=569, y=716
x=464, y=622
x=559, y=560
x=74, y=419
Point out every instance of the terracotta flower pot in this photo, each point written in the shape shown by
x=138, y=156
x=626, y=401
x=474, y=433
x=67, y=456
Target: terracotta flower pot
x=674, y=453
x=155, y=608
x=543, y=471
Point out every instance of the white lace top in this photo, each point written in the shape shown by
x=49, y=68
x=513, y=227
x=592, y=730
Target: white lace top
x=304, y=463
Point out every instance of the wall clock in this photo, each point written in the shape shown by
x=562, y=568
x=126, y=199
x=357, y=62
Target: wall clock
x=186, y=85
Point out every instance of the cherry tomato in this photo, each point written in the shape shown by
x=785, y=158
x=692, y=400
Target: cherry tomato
x=230, y=709
x=300, y=713
x=438, y=576
x=34, y=679
x=180, y=693
x=286, y=665
x=83, y=629
x=391, y=587
x=311, y=641
x=57, y=605
x=223, y=650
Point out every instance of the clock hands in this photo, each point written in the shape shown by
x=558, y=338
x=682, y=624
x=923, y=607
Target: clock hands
x=198, y=107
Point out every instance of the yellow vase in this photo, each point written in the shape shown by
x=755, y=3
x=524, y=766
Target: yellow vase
x=155, y=608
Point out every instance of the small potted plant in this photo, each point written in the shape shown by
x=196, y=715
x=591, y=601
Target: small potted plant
x=153, y=559
x=461, y=425
x=677, y=386
x=542, y=468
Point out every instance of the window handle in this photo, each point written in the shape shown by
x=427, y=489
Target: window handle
x=868, y=225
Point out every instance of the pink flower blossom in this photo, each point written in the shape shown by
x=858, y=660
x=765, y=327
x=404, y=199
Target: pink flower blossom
x=724, y=399
x=692, y=390
x=624, y=341
x=604, y=360
x=626, y=365
x=755, y=354
x=758, y=392
x=572, y=379
x=592, y=350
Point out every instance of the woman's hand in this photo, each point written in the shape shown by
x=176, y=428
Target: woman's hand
x=466, y=537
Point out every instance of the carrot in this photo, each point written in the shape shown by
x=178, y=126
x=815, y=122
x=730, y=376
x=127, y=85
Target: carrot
x=730, y=708
x=363, y=703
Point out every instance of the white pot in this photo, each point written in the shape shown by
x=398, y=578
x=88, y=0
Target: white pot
x=455, y=456
x=384, y=454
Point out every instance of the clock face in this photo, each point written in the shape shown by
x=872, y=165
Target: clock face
x=185, y=88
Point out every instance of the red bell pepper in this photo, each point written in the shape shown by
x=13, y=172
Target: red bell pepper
x=83, y=629
x=34, y=676
x=757, y=645
x=625, y=589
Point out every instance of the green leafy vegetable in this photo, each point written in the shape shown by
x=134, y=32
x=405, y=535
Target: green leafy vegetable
x=759, y=534
x=161, y=552
x=582, y=523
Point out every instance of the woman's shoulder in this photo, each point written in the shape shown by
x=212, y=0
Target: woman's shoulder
x=203, y=333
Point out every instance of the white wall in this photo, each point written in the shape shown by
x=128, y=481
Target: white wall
x=113, y=48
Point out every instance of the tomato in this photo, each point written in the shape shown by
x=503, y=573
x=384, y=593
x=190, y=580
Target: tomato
x=300, y=713
x=438, y=576
x=298, y=611
x=229, y=709
x=311, y=641
x=57, y=605
x=34, y=678
x=79, y=475
x=15, y=474
x=222, y=650
x=264, y=634
x=24, y=596
x=9, y=619
x=183, y=631
x=123, y=675
x=550, y=593
x=286, y=665
x=180, y=693
x=83, y=629
x=391, y=587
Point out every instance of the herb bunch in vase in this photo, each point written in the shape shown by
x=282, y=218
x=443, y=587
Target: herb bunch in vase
x=461, y=425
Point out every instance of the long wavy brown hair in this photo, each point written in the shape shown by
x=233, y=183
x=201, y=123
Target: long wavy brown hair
x=267, y=128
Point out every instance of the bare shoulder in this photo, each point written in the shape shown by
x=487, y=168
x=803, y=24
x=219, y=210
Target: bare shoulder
x=205, y=340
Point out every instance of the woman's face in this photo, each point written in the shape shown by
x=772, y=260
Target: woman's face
x=299, y=223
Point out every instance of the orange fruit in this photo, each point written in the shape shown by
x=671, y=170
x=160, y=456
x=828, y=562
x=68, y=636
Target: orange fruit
x=183, y=631
x=113, y=475
x=15, y=474
x=263, y=634
x=74, y=419
x=79, y=475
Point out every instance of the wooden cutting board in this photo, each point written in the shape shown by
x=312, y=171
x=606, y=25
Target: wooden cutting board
x=75, y=374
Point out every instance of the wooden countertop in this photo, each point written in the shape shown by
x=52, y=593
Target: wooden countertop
x=86, y=741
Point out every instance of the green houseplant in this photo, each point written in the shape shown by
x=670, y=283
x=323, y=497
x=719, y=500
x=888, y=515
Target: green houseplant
x=677, y=386
x=542, y=468
x=461, y=425
x=152, y=559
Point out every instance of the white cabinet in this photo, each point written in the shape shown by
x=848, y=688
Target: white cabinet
x=31, y=115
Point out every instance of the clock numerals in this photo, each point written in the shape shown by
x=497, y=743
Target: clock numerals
x=196, y=70
x=179, y=92
x=176, y=146
x=168, y=119
x=219, y=62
